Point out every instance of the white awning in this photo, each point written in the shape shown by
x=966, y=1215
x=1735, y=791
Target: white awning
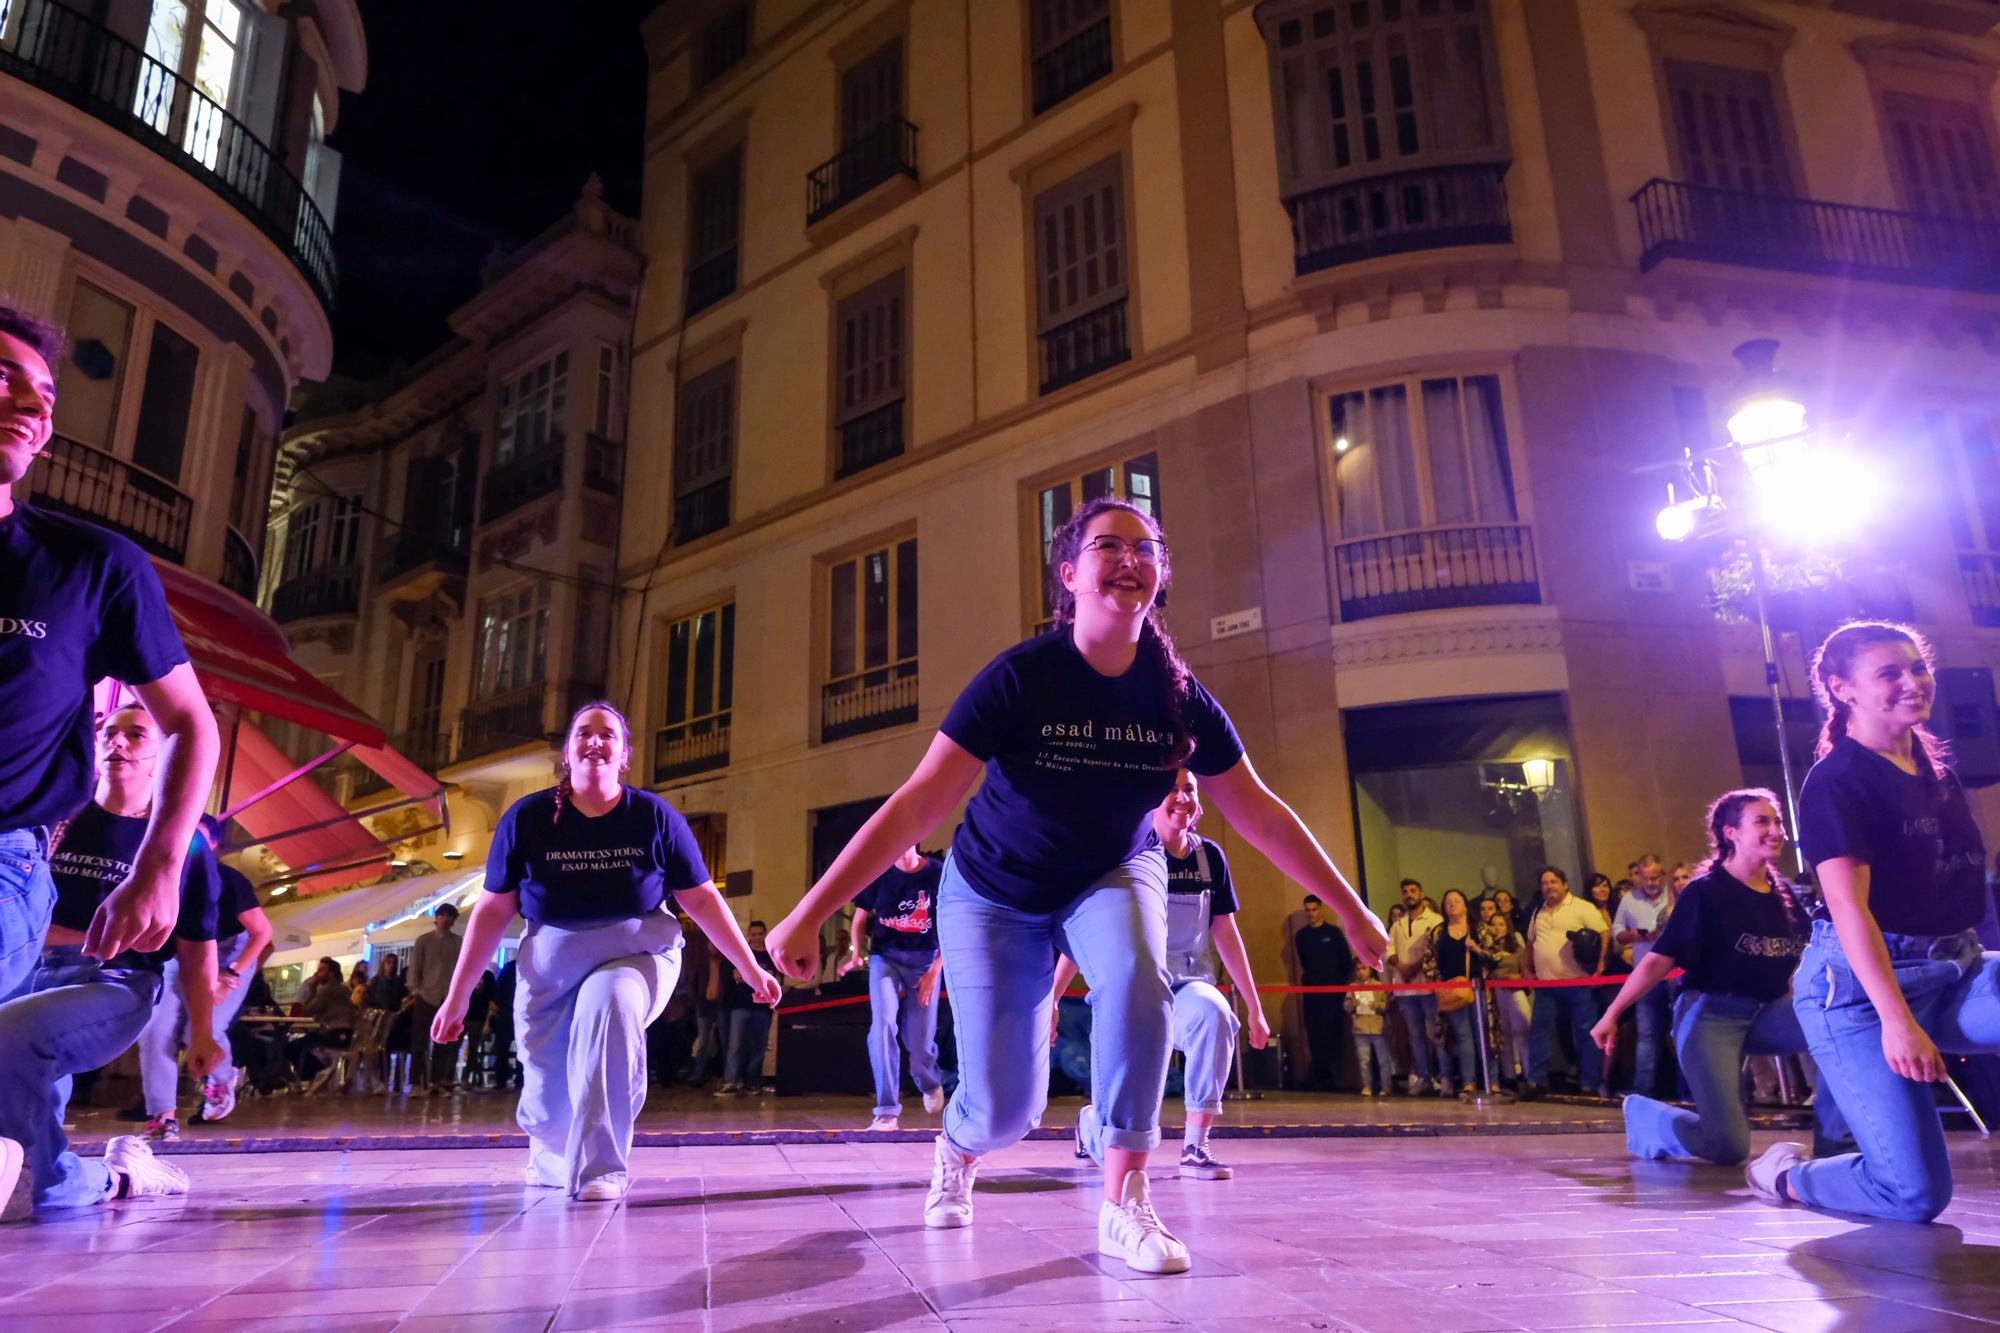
x=338, y=925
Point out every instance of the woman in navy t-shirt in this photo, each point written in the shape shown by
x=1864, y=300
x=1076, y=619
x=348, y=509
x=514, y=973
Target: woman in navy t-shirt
x=78, y=1013
x=590, y=863
x=1895, y=976
x=1736, y=931
x=1079, y=733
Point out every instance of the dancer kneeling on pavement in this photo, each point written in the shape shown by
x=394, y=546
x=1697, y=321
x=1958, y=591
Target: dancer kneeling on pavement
x=79, y=1013
x=1079, y=732
x=590, y=863
x=241, y=932
x=1737, y=930
x=897, y=914
x=1896, y=978
x=1201, y=909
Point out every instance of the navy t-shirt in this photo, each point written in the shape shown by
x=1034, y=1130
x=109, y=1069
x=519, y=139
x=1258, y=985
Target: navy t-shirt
x=736, y=992
x=619, y=865
x=95, y=856
x=1184, y=875
x=1325, y=956
x=902, y=911
x=1731, y=939
x=239, y=895
x=1073, y=768
x=1925, y=858
x=77, y=604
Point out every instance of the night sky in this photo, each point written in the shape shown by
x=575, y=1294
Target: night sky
x=471, y=134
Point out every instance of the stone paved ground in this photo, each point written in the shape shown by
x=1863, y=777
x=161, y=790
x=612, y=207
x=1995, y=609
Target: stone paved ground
x=1430, y=1234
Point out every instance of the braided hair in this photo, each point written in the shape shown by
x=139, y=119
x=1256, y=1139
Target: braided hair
x=1066, y=548
x=564, y=788
x=1836, y=658
x=1724, y=812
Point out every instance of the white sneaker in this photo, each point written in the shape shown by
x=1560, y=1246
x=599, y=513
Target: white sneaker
x=219, y=1098
x=934, y=1100
x=604, y=1189
x=949, y=1204
x=1763, y=1170
x=17, y=1186
x=1132, y=1231
x=146, y=1176
x=533, y=1179
x=1086, y=1130
x=884, y=1122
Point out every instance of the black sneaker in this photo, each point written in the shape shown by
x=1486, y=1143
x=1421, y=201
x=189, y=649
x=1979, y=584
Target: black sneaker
x=1196, y=1164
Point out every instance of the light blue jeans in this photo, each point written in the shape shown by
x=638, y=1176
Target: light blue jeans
x=1427, y=1058
x=75, y=1014
x=999, y=965
x=1712, y=1034
x=895, y=1008
x=1204, y=1030
x=585, y=997
x=167, y=1030
x=27, y=898
x=1371, y=1052
x=1902, y=1172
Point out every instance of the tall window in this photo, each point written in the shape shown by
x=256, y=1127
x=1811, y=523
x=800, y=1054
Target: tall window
x=870, y=375
x=1081, y=277
x=715, y=199
x=302, y=539
x=165, y=404
x=1069, y=47
x=100, y=332
x=198, y=42
x=1136, y=480
x=532, y=406
x=704, y=448
x=513, y=640
x=871, y=641
x=722, y=43
x=1966, y=449
x=1365, y=87
x=1726, y=122
x=427, y=693
x=607, y=388
x=343, y=547
x=1421, y=453
x=1943, y=157
x=871, y=93
x=694, y=732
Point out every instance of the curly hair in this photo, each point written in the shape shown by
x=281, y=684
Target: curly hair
x=564, y=787
x=1065, y=548
x=45, y=336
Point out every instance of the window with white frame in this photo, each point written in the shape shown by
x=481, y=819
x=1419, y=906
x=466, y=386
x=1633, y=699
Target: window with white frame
x=607, y=386
x=343, y=547
x=1424, y=452
x=197, y=42
x=532, y=405
x=513, y=647
x=302, y=539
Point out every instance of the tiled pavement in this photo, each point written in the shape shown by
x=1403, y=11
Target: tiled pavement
x=1439, y=1235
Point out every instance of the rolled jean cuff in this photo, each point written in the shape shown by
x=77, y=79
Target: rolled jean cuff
x=1131, y=1140
x=1210, y=1108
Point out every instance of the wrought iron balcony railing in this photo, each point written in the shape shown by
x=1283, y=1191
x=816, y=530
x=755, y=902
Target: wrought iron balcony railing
x=1433, y=569
x=411, y=549
x=885, y=149
x=317, y=592
x=1429, y=209
x=525, y=477
x=694, y=746
x=62, y=51
x=78, y=479
x=239, y=565
x=701, y=511
x=518, y=717
x=868, y=701
x=1085, y=345
x=1063, y=71
x=1682, y=221
x=871, y=438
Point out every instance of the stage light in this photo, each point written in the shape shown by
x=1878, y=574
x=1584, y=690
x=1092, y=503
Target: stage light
x=1342, y=444
x=1814, y=497
x=1677, y=522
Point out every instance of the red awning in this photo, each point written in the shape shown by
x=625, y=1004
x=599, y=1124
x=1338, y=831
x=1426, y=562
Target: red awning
x=243, y=659
x=302, y=825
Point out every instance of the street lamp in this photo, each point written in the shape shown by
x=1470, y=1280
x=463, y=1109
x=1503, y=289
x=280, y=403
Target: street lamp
x=1768, y=474
x=1539, y=775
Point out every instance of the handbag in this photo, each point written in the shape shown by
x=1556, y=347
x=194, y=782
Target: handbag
x=1459, y=993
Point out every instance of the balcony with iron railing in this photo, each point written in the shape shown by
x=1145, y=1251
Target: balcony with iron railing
x=1428, y=209
x=64, y=52
x=409, y=551
x=881, y=152
x=525, y=477
x=871, y=438
x=1699, y=222
x=869, y=700
x=1081, y=347
x=333, y=591
x=694, y=746
x=239, y=565
x=90, y=483
x=1435, y=569
x=701, y=511
x=518, y=717
x=1062, y=71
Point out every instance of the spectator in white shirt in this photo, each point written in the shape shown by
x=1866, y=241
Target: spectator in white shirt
x=1552, y=956
x=1409, y=945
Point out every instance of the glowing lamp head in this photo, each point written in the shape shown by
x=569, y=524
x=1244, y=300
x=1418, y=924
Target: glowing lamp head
x=1766, y=407
x=1540, y=775
x=1342, y=444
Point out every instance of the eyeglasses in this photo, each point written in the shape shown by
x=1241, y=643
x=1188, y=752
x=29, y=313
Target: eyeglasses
x=1147, y=550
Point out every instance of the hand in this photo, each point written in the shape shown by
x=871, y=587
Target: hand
x=794, y=946
x=1911, y=1052
x=1605, y=1033
x=1365, y=933
x=1260, y=1028
x=851, y=962
x=927, y=986
x=139, y=914
x=225, y=986
x=1055, y=1020
x=449, y=1025
x=204, y=1056
x=767, y=988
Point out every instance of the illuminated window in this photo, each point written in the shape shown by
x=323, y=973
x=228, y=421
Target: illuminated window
x=532, y=405
x=1421, y=453
x=694, y=731
x=871, y=677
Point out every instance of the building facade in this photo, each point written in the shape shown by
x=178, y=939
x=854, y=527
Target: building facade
x=166, y=193
x=442, y=545
x=1399, y=314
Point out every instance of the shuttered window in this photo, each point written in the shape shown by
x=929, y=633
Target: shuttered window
x=1069, y=47
x=1726, y=121
x=715, y=195
x=704, y=449
x=1943, y=157
x=1080, y=245
x=871, y=349
x=871, y=91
